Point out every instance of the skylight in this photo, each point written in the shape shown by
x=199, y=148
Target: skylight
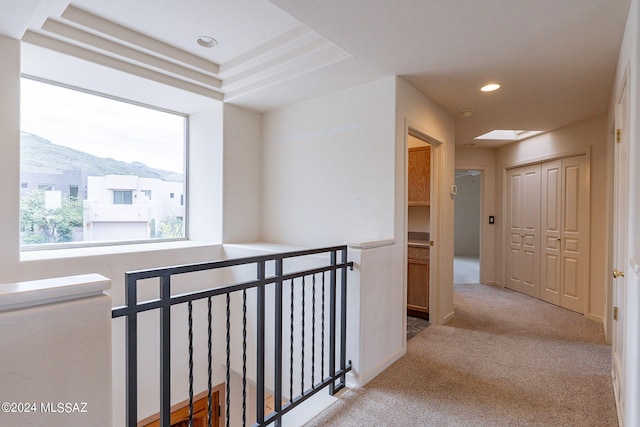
x=509, y=135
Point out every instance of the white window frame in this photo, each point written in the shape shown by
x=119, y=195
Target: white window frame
x=88, y=244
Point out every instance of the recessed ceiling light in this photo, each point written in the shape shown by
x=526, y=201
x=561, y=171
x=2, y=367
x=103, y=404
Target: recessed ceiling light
x=490, y=87
x=206, y=41
x=466, y=113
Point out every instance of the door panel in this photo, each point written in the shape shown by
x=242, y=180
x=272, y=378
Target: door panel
x=575, y=234
x=620, y=230
x=523, y=202
x=551, y=209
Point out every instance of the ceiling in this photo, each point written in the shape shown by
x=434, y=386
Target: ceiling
x=555, y=60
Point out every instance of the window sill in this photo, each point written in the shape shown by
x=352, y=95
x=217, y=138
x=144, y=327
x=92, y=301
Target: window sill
x=50, y=254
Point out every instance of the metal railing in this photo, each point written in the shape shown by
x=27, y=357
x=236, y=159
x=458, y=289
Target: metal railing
x=279, y=275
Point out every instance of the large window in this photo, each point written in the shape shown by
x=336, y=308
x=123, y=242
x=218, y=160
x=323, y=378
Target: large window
x=89, y=165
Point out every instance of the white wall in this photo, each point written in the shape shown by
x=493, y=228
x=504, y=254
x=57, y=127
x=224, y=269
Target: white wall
x=242, y=203
x=329, y=178
x=9, y=144
x=484, y=159
x=419, y=112
x=579, y=138
x=329, y=174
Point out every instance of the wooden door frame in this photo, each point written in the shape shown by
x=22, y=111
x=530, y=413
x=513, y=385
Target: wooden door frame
x=435, y=312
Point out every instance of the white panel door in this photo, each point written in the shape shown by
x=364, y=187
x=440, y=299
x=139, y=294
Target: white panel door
x=620, y=221
x=523, y=224
x=574, y=236
x=551, y=228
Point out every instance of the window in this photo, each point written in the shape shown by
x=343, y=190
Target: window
x=73, y=192
x=24, y=185
x=122, y=197
x=116, y=151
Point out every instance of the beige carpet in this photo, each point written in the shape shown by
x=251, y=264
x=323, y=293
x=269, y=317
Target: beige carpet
x=505, y=360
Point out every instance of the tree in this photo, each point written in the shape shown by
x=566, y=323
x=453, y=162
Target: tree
x=41, y=225
x=170, y=228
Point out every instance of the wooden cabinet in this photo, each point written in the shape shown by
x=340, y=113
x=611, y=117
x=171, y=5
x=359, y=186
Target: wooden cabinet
x=418, y=282
x=419, y=176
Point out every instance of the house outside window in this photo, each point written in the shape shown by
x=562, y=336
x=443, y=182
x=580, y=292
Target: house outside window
x=122, y=197
x=73, y=192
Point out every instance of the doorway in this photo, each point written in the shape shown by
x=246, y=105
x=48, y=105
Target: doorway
x=467, y=221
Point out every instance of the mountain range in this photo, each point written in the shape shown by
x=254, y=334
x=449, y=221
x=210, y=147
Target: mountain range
x=41, y=155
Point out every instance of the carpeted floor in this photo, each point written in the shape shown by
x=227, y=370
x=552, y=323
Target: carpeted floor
x=505, y=360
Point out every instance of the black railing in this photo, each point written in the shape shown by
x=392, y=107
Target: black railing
x=274, y=275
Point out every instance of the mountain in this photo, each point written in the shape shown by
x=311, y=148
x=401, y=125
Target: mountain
x=40, y=155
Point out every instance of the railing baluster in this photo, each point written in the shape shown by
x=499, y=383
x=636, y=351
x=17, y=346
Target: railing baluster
x=190, y=321
x=209, y=364
x=291, y=347
x=228, y=364
x=323, y=317
x=302, y=345
x=165, y=352
x=313, y=330
x=244, y=357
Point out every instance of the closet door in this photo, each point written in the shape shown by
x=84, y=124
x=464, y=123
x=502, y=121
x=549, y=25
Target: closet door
x=564, y=215
x=550, y=224
x=523, y=222
x=575, y=234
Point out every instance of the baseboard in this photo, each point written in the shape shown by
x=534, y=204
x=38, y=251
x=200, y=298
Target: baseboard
x=449, y=317
x=594, y=317
x=364, y=378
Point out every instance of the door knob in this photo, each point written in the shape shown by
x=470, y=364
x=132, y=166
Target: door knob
x=617, y=273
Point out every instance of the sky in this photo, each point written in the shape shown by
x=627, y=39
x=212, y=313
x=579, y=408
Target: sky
x=103, y=127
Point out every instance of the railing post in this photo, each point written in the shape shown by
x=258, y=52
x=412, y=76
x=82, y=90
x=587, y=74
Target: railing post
x=332, y=324
x=343, y=319
x=132, y=353
x=277, y=392
x=165, y=352
x=260, y=344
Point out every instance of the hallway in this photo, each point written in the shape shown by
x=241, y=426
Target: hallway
x=506, y=359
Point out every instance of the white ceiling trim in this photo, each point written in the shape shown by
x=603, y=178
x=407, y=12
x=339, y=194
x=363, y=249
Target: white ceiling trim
x=104, y=27
x=116, y=64
x=127, y=54
x=84, y=35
